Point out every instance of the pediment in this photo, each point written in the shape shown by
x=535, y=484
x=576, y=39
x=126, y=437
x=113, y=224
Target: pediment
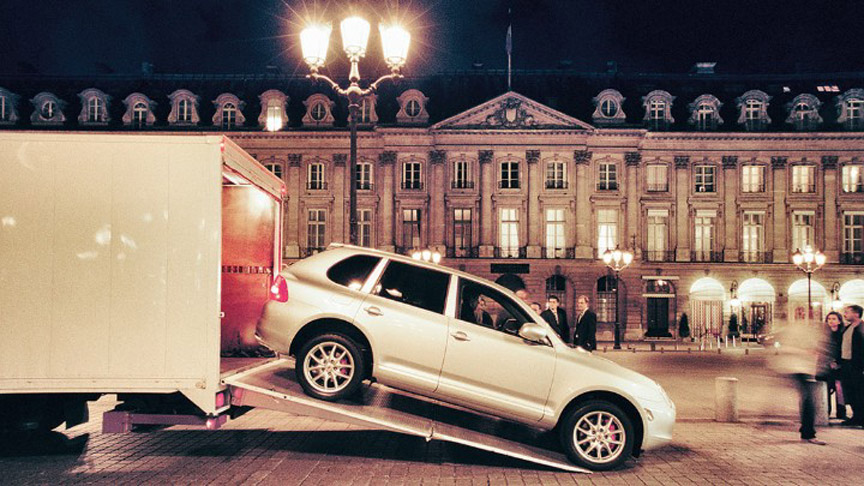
x=511, y=111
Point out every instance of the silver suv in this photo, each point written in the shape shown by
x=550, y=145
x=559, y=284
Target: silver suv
x=350, y=314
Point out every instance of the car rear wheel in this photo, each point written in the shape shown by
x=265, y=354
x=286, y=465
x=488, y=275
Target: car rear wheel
x=330, y=367
x=597, y=435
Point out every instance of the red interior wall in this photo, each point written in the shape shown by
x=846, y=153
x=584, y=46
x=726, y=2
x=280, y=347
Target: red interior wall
x=248, y=233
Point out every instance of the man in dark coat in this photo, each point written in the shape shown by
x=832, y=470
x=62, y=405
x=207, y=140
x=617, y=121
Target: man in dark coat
x=585, y=326
x=852, y=363
x=556, y=317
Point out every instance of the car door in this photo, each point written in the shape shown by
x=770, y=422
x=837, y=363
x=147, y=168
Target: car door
x=404, y=317
x=492, y=368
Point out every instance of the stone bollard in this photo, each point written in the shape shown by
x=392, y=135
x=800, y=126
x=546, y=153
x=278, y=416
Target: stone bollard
x=819, y=391
x=726, y=399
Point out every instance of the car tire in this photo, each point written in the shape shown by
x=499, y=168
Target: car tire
x=597, y=435
x=330, y=367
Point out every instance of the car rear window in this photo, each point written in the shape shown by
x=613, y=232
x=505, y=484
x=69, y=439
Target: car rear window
x=417, y=286
x=353, y=271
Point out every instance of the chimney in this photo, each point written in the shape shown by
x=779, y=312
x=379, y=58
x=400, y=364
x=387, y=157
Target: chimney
x=611, y=67
x=704, y=67
x=146, y=68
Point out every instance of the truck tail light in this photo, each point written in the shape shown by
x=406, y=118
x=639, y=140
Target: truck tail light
x=279, y=289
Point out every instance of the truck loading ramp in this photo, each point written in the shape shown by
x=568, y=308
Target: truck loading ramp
x=273, y=386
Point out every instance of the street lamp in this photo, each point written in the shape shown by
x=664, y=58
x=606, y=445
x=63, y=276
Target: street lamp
x=808, y=261
x=617, y=260
x=314, y=40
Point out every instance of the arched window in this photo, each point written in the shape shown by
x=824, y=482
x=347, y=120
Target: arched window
x=850, y=109
x=608, y=110
x=412, y=108
x=47, y=109
x=705, y=112
x=229, y=114
x=658, y=109
x=753, y=106
x=94, y=107
x=139, y=114
x=557, y=285
x=804, y=112
x=139, y=111
x=94, y=110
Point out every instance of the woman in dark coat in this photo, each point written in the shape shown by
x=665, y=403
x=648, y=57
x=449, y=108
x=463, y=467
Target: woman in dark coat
x=829, y=361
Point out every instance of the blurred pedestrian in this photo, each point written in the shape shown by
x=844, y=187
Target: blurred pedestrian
x=852, y=364
x=828, y=368
x=797, y=359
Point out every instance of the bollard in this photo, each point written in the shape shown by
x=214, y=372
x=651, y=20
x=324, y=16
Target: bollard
x=633, y=348
x=746, y=351
x=661, y=349
x=604, y=349
x=726, y=399
x=819, y=391
x=688, y=350
x=653, y=347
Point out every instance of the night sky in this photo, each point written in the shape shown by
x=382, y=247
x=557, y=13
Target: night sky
x=86, y=37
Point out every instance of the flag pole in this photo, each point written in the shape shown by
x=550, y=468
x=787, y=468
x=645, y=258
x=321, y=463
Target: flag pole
x=509, y=47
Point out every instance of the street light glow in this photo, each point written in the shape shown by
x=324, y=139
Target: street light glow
x=355, y=35
x=394, y=44
x=314, y=41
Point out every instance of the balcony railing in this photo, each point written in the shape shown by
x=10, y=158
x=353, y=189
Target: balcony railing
x=568, y=253
x=508, y=184
x=607, y=186
x=553, y=184
x=316, y=186
x=467, y=252
x=707, y=256
x=658, y=187
x=756, y=256
x=462, y=185
x=520, y=252
x=658, y=255
x=412, y=185
x=803, y=188
x=852, y=258
x=365, y=186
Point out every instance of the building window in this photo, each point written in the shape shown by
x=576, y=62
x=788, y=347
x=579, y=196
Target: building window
x=753, y=106
x=802, y=230
x=705, y=112
x=94, y=104
x=365, y=111
x=658, y=180
x=705, y=117
x=509, y=175
x=4, y=109
x=853, y=238
x=229, y=116
x=557, y=285
x=804, y=112
x=657, y=113
x=555, y=233
x=412, y=108
x=316, y=228
x=753, y=236
x=803, y=178
x=48, y=110
x=703, y=241
x=139, y=114
x=753, y=114
x=364, y=176
x=318, y=111
x=462, y=175
x=276, y=169
x=705, y=178
x=411, y=229
x=184, y=111
x=462, y=241
x=139, y=111
x=315, y=177
x=607, y=176
x=94, y=110
x=509, y=233
x=411, y=176
x=364, y=227
x=854, y=114
x=607, y=308
x=658, y=232
x=852, y=178
x=274, y=116
x=607, y=230
x=752, y=178
x=607, y=108
x=658, y=109
x=556, y=175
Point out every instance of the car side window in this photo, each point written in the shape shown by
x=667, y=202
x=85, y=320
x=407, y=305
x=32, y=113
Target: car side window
x=413, y=285
x=488, y=307
x=353, y=271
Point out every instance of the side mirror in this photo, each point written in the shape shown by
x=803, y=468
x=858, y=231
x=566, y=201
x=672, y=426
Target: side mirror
x=533, y=332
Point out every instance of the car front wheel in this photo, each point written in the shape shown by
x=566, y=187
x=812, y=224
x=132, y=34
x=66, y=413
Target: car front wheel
x=330, y=367
x=597, y=435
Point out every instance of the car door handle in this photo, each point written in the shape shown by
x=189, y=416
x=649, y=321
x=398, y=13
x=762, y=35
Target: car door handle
x=460, y=336
x=373, y=311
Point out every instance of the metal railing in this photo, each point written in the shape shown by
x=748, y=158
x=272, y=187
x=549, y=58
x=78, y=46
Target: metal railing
x=467, y=252
x=556, y=184
x=658, y=255
x=412, y=185
x=520, y=252
x=462, y=185
x=852, y=258
x=707, y=256
x=756, y=256
x=514, y=184
x=316, y=186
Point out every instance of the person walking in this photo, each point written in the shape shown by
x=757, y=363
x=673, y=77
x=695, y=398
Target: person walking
x=828, y=368
x=556, y=316
x=852, y=364
x=798, y=359
x=585, y=327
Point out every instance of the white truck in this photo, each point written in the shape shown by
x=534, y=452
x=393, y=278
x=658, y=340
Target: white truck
x=128, y=264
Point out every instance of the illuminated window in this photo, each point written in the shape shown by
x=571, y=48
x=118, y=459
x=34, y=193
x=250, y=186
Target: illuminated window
x=316, y=228
x=509, y=233
x=658, y=232
x=411, y=238
x=803, y=178
x=462, y=241
x=852, y=178
x=753, y=178
x=753, y=236
x=657, y=178
x=802, y=229
x=364, y=227
x=607, y=230
x=555, y=233
x=705, y=178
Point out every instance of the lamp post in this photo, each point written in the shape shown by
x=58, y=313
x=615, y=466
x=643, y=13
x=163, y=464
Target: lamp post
x=617, y=260
x=808, y=261
x=315, y=39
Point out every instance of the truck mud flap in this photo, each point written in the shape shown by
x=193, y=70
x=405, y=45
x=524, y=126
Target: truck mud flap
x=273, y=386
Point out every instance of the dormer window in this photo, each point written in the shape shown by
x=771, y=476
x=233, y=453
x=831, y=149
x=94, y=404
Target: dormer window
x=48, y=109
x=658, y=109
x=367, y=115
x=804, y=112
x=753, y=106
x=94, y=107
x=228, y=114
x=8, y=112
x=850, y=109
x=705, y=112
x=273, y=116
x=607, y=108
x=139, y=111
x=319, y=111
x=412, y=108
x=184, y=108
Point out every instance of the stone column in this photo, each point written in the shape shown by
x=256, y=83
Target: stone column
x=781, y=222
x=832, y=232
x=341, y=204
x=292, y=230
x=487, y=188
x=730, y=211
x=386, y=219
x=437, y=210
x=581, y=161
x=534, y=217
x=682, y=210
x=631, y=195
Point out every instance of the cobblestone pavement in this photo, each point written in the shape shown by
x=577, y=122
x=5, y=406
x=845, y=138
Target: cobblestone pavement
x=264, y=447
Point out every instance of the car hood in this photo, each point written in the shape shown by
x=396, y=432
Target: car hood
x=606, y=373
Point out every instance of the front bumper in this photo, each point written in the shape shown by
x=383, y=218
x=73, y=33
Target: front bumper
x=659, y=423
